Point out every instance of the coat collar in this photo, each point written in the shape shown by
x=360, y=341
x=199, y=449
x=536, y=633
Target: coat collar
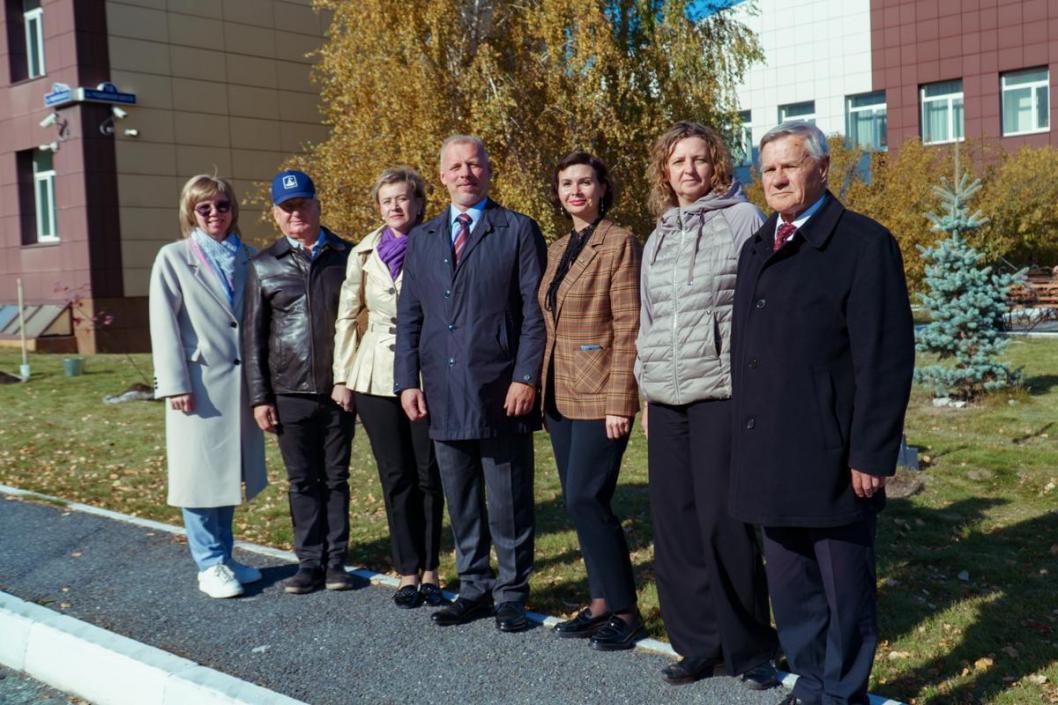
x=209, y=280
x=370, y=241
x=816, y=231
x=282, y=246
x=580, y=264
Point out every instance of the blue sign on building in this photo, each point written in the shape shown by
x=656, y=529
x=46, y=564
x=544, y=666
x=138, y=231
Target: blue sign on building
x=107, y=92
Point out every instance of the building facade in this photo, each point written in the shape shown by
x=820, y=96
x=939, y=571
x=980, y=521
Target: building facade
x=89, y=186
x=884, y=71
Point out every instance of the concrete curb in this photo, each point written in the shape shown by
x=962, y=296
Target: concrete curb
x=82, y=659
x=194, y=678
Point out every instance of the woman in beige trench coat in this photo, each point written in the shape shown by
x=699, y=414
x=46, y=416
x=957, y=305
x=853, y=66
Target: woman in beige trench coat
x=365, y=336
x=213, y=445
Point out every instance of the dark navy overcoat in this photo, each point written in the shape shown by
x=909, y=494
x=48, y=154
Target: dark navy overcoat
x=822, y=360
x=472, y=329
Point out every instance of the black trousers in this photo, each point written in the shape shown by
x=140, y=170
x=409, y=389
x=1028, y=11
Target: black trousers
x=711, y=584
x=588, y=465
x=500, y=468
x=823, y=590
x=411, y=485
x=315, y=436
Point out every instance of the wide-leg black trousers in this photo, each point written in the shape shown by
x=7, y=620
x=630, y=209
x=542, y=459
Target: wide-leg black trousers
x=710, y=578
x=411, y=484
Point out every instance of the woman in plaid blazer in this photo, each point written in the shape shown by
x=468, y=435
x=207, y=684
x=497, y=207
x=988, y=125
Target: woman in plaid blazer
x=590, y=298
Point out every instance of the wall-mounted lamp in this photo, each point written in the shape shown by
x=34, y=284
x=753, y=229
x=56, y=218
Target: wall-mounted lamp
x=50, y=147
x=132, y=132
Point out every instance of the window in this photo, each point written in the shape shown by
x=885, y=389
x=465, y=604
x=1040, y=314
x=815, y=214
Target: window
x=865, y=121
x=1026, y=101
x=942, y=112
x=33, y=19
x=742, y=154
x=44, y=195
x=798, y=111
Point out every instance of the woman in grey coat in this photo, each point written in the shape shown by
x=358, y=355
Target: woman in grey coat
x=213, y=445
x=710, y=578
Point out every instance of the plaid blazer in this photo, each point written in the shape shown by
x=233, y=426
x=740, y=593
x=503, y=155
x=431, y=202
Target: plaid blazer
x=591, y=338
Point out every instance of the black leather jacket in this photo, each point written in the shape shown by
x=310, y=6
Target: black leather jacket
x=288, y=321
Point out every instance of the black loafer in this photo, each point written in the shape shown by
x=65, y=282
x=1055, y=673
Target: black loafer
x=462, y=611
x=432, y=595
x=582, y=626
x=338, y=579
x=689, y=670
x=304, y=581
x=617, y=635
x=407, y=597
x=510, y=617
x=760, y=677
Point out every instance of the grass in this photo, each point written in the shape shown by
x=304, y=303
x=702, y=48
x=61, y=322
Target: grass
x=968, y=567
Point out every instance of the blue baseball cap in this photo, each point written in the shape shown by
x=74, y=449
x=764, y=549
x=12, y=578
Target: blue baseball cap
x=292, y=184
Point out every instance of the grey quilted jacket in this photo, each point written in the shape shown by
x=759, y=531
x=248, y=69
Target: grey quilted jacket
x=688, y=287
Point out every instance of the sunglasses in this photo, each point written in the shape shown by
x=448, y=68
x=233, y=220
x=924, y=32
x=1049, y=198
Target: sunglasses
x=203, y=209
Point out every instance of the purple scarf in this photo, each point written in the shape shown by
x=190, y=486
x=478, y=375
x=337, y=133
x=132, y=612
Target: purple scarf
x=391, y=249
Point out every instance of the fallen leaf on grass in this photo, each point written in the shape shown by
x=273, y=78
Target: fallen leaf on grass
x=983, y=664
x=1038, y=678
x=899, y=655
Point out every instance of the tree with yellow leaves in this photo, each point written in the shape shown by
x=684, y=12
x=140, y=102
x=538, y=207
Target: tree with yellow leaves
x=534, y=79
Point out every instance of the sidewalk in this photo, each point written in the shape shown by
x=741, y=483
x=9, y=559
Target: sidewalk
x=325, y=648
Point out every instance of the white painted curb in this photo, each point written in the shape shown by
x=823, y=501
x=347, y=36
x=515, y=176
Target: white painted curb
x=652, y=646
x=108, y=669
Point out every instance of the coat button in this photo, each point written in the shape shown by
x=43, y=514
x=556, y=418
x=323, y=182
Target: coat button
x=233, y=324
x=451, y=326
x=753, y=364
x=760, y=303
x=392, y=290
x=751, y=424
x=708, y=312
x=527, y=378
x=393, y=320
x=447, y=293
x=451, y=362
x=446, y=260
x=392, y=348
x=237, y=361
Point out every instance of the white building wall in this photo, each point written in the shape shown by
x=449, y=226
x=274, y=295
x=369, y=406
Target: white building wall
x=818, y=50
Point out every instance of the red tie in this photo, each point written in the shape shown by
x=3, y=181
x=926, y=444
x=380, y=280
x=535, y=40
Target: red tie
x=784, y=232
x=462, y=235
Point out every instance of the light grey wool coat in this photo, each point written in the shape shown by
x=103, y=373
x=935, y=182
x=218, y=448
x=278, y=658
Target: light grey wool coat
x=195, y=338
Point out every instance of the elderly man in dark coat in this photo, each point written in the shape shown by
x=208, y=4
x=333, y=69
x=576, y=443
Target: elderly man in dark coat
x=468, y=321
x=823, y=354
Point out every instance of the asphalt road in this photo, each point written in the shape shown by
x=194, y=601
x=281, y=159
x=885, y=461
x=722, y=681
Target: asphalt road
x=19, y=689
x=326, y=648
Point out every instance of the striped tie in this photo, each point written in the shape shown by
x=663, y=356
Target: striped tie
x=462, y=235
x=784, y=232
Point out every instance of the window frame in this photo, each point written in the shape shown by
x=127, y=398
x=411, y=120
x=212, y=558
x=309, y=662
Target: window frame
x=33, y=21
x=876, y=109
x=950, y=99
x=1032, y=86
x=744, y=135
x=807, y=117
x=45, y=178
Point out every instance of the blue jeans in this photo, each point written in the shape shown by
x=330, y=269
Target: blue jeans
x=209, y=534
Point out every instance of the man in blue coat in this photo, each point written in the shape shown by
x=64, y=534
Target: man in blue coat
x=468, y=322
x=823, y=354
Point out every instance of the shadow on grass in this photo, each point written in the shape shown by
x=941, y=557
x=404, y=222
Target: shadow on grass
x=1040, y=384
x=1009, y=575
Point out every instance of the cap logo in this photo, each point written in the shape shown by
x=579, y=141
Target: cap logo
x=290, y=181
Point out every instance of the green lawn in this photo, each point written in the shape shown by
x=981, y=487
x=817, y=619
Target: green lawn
x=968, y=567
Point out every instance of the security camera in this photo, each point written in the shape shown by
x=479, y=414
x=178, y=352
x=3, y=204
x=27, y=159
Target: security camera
x=118, y=112
x=49, y=120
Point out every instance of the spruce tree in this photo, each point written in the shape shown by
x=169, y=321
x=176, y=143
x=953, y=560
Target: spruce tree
x=967, y=304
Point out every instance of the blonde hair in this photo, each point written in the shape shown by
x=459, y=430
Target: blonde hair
x=662, y=197
x=403, y=175
x=203, y=187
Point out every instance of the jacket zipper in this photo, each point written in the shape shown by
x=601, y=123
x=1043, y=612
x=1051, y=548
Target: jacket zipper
x=312, y=331
x=676, y=312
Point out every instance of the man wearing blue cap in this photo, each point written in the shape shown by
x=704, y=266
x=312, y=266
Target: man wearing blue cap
x=292, y=294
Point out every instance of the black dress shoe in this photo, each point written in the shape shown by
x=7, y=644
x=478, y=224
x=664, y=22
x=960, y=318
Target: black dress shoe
x=432, y=595
x=338, y=579
x=792, y=700
x=304, y=581
x=463, y=610
x=582, y=626
x=760, y=677
x=510, y=617
x=618, y=635
x=689, y=669
x=407, y=597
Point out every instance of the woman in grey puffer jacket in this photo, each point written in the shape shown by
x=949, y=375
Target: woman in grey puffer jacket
x=710, y=578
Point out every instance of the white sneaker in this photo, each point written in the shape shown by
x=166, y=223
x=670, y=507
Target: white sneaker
x=245, y=574
x=219, y=581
